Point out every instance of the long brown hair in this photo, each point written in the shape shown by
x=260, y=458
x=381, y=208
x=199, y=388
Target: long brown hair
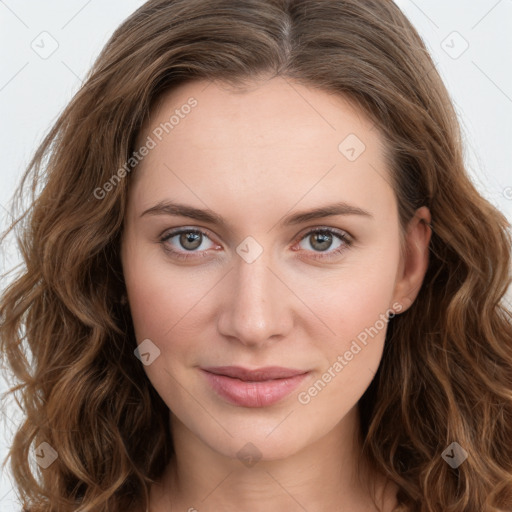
x=446, y=371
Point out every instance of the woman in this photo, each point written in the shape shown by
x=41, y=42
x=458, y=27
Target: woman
x=258, y=276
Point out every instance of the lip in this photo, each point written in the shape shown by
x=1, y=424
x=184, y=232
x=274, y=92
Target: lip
x=253, y=388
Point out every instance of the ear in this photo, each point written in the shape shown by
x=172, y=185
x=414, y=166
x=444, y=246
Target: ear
x=414, y=259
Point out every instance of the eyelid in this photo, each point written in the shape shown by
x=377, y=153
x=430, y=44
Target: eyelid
x=346, y=239
x=321, y=229
x=343, y=235
x=205, y=231
x=168, y=234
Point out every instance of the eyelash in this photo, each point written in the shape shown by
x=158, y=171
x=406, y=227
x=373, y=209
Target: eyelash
x=341, y=235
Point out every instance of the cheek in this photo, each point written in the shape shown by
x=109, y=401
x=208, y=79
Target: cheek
x=354, y=297
x=167, y=306
x=356, y=306
x=160, y=294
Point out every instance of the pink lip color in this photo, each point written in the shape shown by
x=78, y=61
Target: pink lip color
x=269, y=385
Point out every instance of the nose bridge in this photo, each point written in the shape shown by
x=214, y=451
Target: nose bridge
x=255, y=310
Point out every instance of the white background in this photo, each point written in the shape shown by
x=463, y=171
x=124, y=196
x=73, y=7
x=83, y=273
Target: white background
x=34, y=90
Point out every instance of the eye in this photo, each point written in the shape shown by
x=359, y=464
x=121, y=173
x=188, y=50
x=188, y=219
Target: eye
x=322, y=243
x=186, y=240
x=326, y=242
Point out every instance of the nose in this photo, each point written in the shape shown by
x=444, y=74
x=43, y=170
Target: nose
x=259, y=308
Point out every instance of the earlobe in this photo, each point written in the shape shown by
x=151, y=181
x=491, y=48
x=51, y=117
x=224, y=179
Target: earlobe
x=415, y=259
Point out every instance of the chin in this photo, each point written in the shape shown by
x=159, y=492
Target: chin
x=258, y=442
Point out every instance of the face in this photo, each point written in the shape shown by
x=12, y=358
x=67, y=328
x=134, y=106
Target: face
x=262, y=231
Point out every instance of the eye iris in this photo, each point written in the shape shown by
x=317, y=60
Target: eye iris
x=190, y=240
x=321, y=241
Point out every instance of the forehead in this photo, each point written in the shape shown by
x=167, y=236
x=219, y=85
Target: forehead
x=269, y=135
x=262, y=112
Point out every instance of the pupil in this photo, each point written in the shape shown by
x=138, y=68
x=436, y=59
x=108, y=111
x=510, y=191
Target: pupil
x=321, y=241
x=190, y=240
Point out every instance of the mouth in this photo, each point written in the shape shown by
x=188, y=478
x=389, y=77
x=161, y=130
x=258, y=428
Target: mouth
x=253, y=388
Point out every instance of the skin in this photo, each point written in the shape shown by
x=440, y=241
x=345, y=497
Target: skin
x=254, y=157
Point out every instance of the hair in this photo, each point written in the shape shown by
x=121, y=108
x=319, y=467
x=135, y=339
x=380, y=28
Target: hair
x=68, y=341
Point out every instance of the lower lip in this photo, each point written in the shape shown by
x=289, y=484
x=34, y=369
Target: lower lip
x=252, y=394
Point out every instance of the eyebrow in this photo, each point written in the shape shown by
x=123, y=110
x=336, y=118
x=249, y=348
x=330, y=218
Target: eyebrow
x=206, y=215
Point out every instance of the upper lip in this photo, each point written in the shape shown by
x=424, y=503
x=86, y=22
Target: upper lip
x=258, y=374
